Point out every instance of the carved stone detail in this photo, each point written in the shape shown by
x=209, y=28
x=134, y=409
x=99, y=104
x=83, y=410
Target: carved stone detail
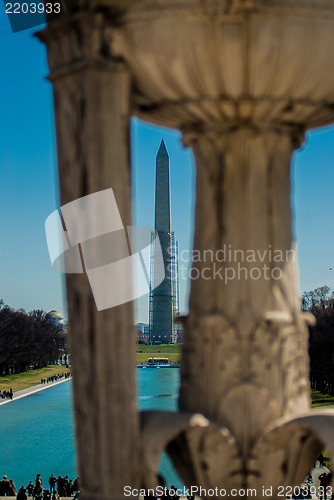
x=92, y=107
x=178, y=59
x=246, y=335
x=79, y=42
x=244, y=364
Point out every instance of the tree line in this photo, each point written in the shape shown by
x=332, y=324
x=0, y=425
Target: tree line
x=28, y=340
x=320, y=302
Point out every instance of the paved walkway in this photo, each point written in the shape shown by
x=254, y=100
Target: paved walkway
x=315, y=473
x=31, y=390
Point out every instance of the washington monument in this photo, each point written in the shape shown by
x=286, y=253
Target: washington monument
x=164, y=299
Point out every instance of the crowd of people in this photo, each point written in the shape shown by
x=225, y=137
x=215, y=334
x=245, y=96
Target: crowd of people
x=55, y=378
x=58, y=487
x=7, y=394
x=7, y=487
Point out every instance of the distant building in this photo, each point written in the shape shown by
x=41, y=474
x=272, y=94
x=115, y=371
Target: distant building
x=143, y=333
x=56, y=318
x=164, y=300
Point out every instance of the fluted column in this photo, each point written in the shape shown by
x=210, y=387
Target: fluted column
x=244, y=329
x=92, y=100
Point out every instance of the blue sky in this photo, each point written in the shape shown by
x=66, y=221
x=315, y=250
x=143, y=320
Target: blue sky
x=29, y=186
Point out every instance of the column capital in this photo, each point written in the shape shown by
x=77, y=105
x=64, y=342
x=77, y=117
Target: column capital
x=80, y=41
x=222, y=134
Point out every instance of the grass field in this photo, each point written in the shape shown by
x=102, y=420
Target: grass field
x=319, y=399
x=170, y=351
x=20, y=381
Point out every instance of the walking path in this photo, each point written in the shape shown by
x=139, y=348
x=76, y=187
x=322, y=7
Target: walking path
x=31, y=390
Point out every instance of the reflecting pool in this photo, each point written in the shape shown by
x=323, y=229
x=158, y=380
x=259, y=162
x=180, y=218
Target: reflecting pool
x=37, y=432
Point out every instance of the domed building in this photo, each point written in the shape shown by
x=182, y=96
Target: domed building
x=56, y=318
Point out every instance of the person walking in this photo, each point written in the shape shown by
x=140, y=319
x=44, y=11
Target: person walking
x=52, y=483
x=22, y=494
x=2, y=488
x=173, y=493
x=30, y=489
x=65, y=485
x=76, y=485
x=325, y=481
x=38, y=486
x=69, y=488
x=11, y=489
x=60, y=486
x=5, y=486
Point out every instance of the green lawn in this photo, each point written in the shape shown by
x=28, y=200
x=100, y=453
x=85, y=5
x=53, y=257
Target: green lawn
x=319, y=399
x=20, y=381
x=170, y=351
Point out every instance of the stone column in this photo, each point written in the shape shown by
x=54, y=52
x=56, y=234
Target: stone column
x=92, y=100
x=244, y=361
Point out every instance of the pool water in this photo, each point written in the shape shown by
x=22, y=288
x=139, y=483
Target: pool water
x=37, y=432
